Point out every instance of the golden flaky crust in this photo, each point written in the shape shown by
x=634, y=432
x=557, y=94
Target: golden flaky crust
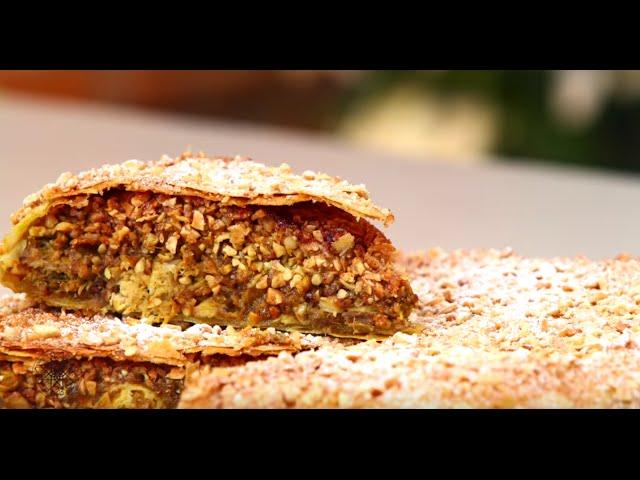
x=236, y=180
x=499, y=330
x=28, y=332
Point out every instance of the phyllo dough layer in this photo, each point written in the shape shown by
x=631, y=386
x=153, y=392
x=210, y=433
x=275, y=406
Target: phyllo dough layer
x=217, y=241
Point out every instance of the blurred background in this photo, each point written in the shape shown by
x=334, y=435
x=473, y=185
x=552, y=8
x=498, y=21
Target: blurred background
x=545, y=162
x=589, y=118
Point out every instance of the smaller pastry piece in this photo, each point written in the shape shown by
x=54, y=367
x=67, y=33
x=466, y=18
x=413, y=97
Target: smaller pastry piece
x=50, y=359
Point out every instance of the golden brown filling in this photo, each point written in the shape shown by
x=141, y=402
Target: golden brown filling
x=308, y=267
x=97, y=383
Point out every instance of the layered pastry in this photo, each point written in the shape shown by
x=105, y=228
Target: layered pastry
x=51, y=359
x=221, y=241
x=500, y=330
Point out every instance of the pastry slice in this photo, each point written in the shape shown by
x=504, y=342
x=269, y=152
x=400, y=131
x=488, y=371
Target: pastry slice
x=50, y=359
x=222, y=241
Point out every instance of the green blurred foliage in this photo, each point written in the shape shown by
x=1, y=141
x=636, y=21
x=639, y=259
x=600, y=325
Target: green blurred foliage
x=528, y=128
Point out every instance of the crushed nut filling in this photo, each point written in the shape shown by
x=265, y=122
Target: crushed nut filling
x=308, y=267
x=96, y=383
x=100, y=382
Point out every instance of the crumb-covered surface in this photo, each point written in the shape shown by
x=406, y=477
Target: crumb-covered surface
x=499, y=330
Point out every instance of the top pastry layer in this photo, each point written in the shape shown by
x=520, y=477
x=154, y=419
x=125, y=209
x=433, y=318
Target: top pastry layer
x=236, y=181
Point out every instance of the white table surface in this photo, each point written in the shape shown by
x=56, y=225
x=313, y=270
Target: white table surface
x=537, y=210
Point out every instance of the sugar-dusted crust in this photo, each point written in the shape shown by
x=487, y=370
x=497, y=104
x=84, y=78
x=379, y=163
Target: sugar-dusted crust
x=499, y=330
x=28, y=332
x=230, y=180
x=405, y=375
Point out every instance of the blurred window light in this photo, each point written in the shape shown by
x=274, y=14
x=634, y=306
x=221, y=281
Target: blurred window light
x=415, y=121
x=578, y=96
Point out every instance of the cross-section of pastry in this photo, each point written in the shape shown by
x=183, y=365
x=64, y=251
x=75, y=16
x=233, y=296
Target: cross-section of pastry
x=50, y=359
x=223, y=241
